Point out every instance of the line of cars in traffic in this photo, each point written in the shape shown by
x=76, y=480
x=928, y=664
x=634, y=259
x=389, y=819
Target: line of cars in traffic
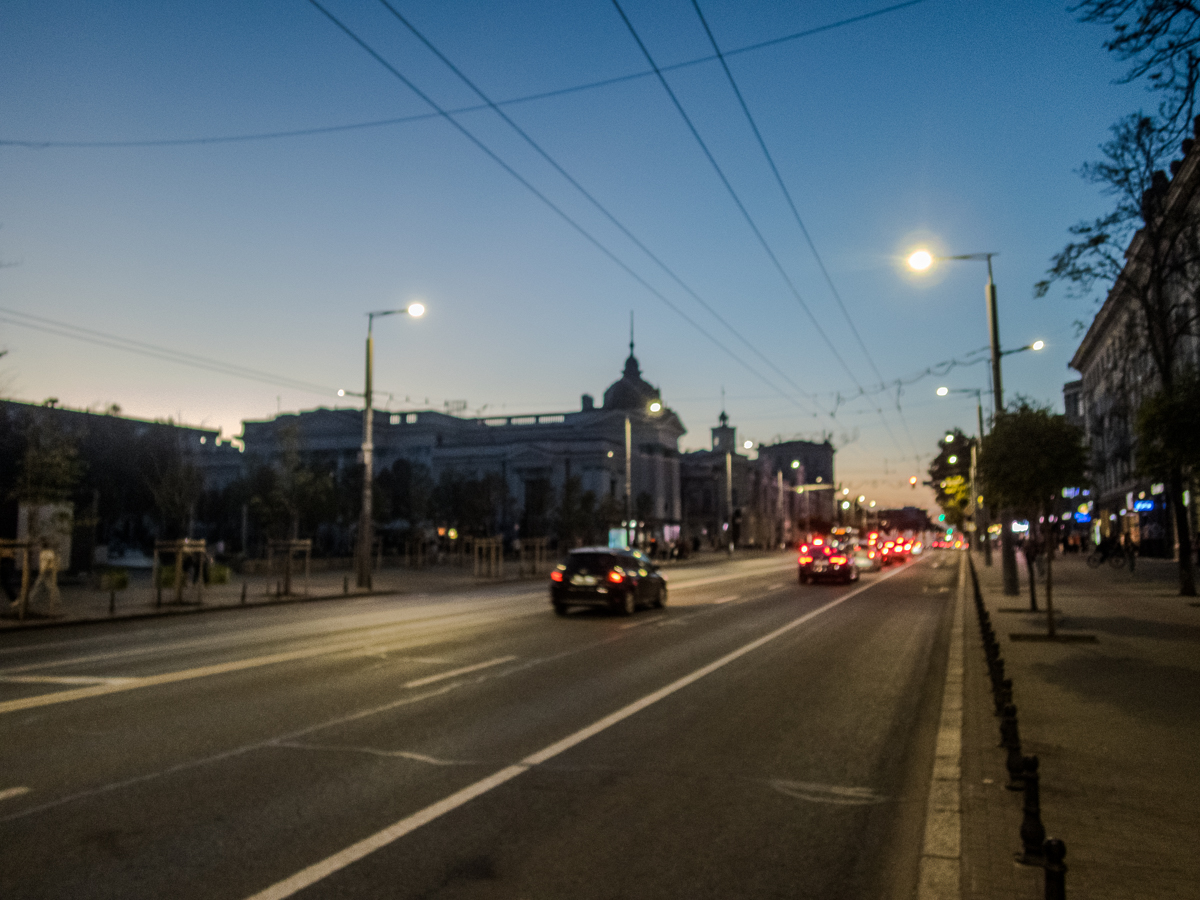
x=623, y=580
x=843, y=555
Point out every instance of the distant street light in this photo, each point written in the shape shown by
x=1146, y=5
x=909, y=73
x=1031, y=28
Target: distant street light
x=366, y=543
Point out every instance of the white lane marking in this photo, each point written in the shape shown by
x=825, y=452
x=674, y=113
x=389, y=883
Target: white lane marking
x=9, y=793
x=724, y=600
x=373, y=751
x=338, y=861
x=641, y=622
x=775, y=587
x=827, y=793
x=939, y=874
x=62, y=679
x=442, y=676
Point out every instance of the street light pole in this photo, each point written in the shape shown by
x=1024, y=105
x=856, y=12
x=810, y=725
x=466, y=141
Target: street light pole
x=921, y=260
x=366, y=542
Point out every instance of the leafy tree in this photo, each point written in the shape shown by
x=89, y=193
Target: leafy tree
x=950, y=476
x=1168, y=429
x=1030, y=455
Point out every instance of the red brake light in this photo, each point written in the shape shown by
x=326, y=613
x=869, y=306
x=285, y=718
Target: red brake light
x=804, y=548
x=818, y=541
x=805, y=560
x=838, y=560
x=556, y=575
x=616, y=576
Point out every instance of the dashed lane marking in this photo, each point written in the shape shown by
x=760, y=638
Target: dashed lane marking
x=725, y=600
x=9, y=793
x=62, y=679
x=453, y=673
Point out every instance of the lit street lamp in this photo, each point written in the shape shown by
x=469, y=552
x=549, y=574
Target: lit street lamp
x=362, y=555
x=922, y=260
x=975, y=450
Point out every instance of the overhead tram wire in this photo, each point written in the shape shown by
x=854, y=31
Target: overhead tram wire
x=443, y=113
x=733, y=194
x=115, y=342
x=596, y=203
x=381, y=123
x=795, y=212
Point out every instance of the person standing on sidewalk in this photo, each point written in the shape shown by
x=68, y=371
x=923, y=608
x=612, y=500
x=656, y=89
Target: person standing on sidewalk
x=1130, y=551
x=47, y=576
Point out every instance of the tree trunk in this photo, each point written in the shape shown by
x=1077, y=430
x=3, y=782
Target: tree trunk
x=1008, y=556
x=1183, y=533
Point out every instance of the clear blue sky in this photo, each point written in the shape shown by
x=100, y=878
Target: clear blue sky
x=960, y=122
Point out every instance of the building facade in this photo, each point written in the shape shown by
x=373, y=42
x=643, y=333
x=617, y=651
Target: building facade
x=1142, y=322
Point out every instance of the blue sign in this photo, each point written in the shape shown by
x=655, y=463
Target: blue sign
x=1143, y=505
x=1083, y=517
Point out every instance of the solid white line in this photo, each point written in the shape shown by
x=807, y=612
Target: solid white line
x=62, y=679
x=442, y=676
x=940, y=876
x=353, y=853
x=724, y=600
x=9, y=793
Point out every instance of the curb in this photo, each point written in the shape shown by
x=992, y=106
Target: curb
x=940, y=873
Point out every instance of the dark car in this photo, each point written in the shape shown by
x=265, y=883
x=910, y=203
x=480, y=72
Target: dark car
x=620, y=580
x=826, y=561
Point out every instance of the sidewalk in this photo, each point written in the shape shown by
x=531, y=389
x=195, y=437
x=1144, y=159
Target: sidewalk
x=1115, y=724
x=83, y=603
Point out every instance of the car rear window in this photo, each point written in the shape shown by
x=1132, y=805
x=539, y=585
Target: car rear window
x=593, y=562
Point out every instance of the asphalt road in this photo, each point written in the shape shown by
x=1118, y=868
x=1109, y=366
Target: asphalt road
x=757, y=738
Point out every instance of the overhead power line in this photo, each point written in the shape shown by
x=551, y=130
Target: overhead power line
x=116, y=342
x=795, y=212
x=400, y=120
x=588, y=236
x=595, y=202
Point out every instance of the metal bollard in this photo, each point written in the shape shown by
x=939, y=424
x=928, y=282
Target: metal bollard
x=244, y=589
x=346, y=584
x=1056, y=870
x=112, y=602
x=1010, y=740
x=1003, y=695
x=1033, y=834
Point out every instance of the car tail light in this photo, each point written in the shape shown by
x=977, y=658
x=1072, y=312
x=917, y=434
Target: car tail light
x=818, y=541
x=838, y=560
x=616, y=576
x=805, y=560
x=871, y=555
x=804, y=548
x=556, y=575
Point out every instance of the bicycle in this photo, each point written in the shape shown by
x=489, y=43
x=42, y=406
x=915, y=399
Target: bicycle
x=1097, y=558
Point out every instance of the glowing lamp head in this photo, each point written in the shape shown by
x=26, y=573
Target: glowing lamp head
x=1038, y=345
x=920, y=261
x=943, y=391
x=953, y=460
x=748, y=445
x=341, y=393
x=416, y=310
x=796, y=465
x=655, y=406
x=913, y=481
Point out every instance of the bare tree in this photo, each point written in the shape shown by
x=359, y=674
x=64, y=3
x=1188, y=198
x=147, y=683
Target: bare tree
x=1162, y=40
x=1146, y=251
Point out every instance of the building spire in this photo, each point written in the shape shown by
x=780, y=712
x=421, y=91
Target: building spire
x=631, y=332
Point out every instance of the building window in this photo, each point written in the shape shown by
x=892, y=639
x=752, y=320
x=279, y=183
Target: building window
x=395, y=419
